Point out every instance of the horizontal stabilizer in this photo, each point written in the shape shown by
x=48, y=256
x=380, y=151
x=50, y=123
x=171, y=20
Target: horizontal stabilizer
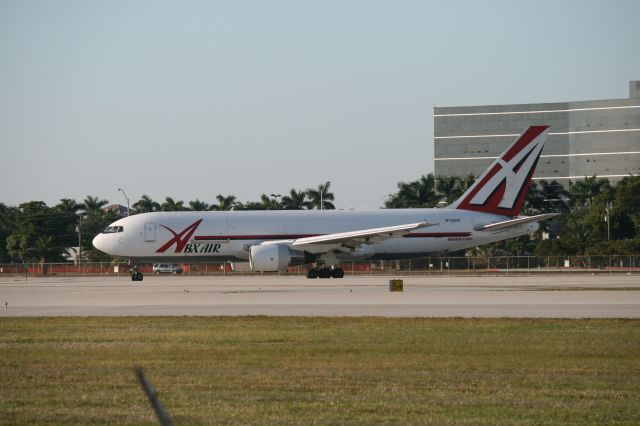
x=513, y=222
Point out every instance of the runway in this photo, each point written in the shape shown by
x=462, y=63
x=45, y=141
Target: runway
x=562, y=296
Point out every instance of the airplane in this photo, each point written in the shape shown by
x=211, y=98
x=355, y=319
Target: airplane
x=274, y=240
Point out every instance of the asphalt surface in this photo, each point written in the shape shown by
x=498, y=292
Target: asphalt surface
x=550, y=296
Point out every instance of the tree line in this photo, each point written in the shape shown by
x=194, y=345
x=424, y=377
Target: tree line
x=581, y=228
x=312, y=198
x=35, y=232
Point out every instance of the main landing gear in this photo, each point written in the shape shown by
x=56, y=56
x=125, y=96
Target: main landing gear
x=325, y=272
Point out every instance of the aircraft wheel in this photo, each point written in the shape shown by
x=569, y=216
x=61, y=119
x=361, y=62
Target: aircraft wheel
x=139, y=276
x=324, y=273
x=337, y=273
x=133, y=276
x=312, y=273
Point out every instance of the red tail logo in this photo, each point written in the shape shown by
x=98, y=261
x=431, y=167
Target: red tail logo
x=181, y=239
x=501, y=189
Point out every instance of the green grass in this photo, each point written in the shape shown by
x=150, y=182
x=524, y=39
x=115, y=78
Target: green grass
x=265, y=370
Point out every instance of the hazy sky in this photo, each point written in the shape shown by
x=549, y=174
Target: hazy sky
x=191, y=99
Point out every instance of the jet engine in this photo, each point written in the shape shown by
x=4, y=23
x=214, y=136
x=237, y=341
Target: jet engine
x=276, y=257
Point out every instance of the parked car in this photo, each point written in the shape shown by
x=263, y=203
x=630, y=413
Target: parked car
x=166, y=268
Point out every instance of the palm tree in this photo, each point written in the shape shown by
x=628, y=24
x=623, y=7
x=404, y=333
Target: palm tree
x=93, y=205
x=419, y=193
x=577, y=234
x=225, y=203
x=170, y=205
x=464, y=183
x=69, y=206
x=320, y=198
x=447, y=186
x=296, y=200
x=198, y=206
x=44, y=249
x=146, y=205
x=269, y=203
x=584, y=191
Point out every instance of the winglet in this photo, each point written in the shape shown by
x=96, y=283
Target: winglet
x=502, y=188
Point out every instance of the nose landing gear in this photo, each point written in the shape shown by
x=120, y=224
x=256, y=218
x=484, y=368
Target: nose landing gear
x=135, y=275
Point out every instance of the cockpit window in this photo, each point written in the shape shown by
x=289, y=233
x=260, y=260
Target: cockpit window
x=113, y=229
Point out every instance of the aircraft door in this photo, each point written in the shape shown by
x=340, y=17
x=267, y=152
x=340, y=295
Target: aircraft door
x=149, y=232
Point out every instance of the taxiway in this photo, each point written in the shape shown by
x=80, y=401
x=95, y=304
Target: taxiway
x=569, y=296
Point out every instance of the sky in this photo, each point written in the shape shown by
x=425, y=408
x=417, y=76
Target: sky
x=190, y=99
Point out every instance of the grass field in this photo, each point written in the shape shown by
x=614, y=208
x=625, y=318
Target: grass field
x=266, y=370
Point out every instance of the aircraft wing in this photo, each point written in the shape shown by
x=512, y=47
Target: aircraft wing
x=513, y=222
x=355, y=238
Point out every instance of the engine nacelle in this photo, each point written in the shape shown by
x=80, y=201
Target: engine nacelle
x=275, y=257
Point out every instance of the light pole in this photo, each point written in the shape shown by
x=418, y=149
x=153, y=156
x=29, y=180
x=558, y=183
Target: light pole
x=79, y=255
x=275, y=198
x=126, y=198
x=321, y=197
x=607, y=219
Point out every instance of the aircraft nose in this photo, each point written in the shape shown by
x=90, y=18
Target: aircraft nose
x=98, y=242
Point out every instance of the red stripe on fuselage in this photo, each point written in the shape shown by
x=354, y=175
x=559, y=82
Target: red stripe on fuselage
x=296, y=236
x=438, y=234
x=254, y=237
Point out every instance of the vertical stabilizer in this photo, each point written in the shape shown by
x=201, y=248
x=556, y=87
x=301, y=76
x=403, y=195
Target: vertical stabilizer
x=502, y=188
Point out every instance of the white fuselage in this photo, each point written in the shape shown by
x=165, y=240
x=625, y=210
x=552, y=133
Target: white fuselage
x=228, y=235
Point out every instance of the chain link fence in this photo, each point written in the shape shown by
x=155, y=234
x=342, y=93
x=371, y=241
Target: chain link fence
x=437, y=265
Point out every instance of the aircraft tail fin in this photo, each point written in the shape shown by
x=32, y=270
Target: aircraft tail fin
x=502, y=188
